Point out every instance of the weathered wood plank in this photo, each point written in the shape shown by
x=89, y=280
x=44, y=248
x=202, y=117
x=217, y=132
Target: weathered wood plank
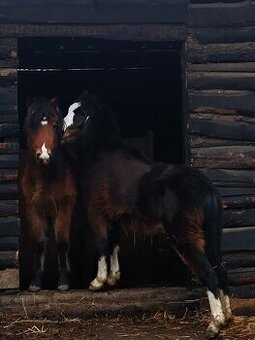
x=9, y=130
x=9, y=148
x=9, y=243
x=239, y=202
x=9, y=161
x=219, y=35
x=221, y=80
x=231, y=178
x=200, y=141
x=9, y=259
x=241, y=276
x=221, y=14
x=8, y=191
x=9, y=226
x=64, y=3
x=239, y=218
x=8, y=95
x=8, y=52
x=225, y=157
x=9, y=279
x=238, y=259
x=223, y=67
x=242, y=101
x=225, y=53
x=236, y=191
x=8, y=208
x=135, y=32
x=9, y=117
x=224, y=127
x=8, y=175
x=238, y=239
x=94, y=13
x=8, y=77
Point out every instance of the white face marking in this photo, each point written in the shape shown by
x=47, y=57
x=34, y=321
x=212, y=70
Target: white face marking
x=216, y=308
x=68, y=120
x=45, y=155
x=44, y=121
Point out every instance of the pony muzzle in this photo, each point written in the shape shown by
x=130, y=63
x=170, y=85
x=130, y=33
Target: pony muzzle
x=43, y=158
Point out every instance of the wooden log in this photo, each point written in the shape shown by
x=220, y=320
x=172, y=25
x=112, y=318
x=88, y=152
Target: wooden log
x=134, y=32
x=108, y=12
x=9, y=148
x=231, y=178
x=9, y=117
x=236, y=191
x=224, y=53
x=9, y=243
x=221, y=14
x=9, y=226
x=241, y=276
x=246, y=67
x=8, y=191
x=237, y=218
x=9, y=279
x=8, y=95
x=238, y=239
x=237, y=259
x=8, y=52
x=239, y=202
x=241, y=101
x=9, y=259
x=8, y=208
x=222, y=80
x=9, y=161
x=225, y=157
x=227, y=127
x=219, y=35
x=8, y=77
x=8, y=175
x=200, y=141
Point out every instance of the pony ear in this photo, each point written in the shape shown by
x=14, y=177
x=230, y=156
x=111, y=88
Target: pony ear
x=54, y=102
x=29, y=101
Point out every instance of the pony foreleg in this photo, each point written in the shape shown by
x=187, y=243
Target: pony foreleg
x=62, y=235
x=114, y=275
x=100, y=280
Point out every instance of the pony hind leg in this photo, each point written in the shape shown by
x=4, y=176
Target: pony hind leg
x=102, y=273
x=114, y=248
x=196, y=260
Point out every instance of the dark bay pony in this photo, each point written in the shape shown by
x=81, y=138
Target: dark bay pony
x=48, y=187
x=118, y=186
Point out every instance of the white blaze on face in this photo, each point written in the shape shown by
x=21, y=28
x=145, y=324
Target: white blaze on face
x=68, y=120
x=44, y=121
x=45, y=155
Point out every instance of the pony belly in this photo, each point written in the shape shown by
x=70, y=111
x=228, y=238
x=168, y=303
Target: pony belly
x=44, y=205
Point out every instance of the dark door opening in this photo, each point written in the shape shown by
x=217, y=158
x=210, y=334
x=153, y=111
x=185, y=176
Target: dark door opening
x=142, y=84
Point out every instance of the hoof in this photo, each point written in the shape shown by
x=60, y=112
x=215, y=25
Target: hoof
x=212, y=331
x=96, y=285
x=63, y=287
x=34, y=288
x=113, y=279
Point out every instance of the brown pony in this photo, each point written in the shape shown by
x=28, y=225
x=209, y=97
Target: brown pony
x=118, y=186
x=48, y=187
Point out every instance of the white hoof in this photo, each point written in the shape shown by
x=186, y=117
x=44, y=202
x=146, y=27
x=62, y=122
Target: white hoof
x=212, y=330
x=34, y=288
x=63, y=287
x=96, y=285
x=113, y=279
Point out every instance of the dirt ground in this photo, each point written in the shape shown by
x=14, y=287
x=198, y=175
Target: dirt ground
x=161, y=325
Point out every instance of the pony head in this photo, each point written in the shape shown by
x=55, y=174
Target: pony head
x=43, y=128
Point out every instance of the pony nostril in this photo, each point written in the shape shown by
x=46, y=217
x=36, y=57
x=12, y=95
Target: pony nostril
x=38, y=155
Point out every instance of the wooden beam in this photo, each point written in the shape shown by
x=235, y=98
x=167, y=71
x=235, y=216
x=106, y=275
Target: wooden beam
x=200, y=141
x=223, y=67
x=236, y=191
x=8, y=52
x=9, y=279
x=239, y=218
x=8, y=191
x=134, y=32
x=221, y=14
x=241, y=276
x=9, y=226
x=9, y=148
x=108, y=12
x=8, y=95
x=239, y=201
x=9, y=161
x=232, y=178
x=9, y=243
x=8, y=208
x=242, y=101
x=240, y=259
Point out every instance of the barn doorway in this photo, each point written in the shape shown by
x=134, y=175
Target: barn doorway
x=142, y=82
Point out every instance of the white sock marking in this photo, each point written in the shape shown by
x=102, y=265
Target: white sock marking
x=225, y=305
x=101, y=277
x=114, y=261
x=216, y=308
x=68, y=120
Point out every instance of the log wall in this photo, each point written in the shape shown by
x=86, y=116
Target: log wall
x=9, y=160
x=221, y=100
